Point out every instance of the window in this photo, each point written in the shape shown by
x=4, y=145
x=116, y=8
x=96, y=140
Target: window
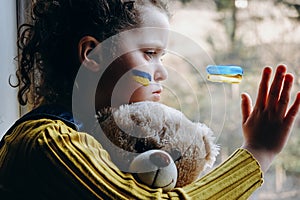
x=9, y=109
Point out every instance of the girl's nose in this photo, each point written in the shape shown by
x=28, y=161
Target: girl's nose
x=161, y=72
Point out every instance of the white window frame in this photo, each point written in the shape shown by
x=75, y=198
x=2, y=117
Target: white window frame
x=9, y=107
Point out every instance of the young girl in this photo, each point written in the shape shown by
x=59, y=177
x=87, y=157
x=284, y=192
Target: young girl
x=45, y=156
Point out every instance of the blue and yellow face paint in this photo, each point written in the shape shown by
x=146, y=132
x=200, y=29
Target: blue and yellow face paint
x=141, y=77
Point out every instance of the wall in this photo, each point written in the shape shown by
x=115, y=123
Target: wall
x=9, y=109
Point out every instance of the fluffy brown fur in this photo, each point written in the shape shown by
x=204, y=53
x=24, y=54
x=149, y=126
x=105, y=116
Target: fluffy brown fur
x=136, y=128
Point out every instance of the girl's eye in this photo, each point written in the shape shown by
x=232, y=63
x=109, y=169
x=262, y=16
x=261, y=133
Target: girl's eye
x=155, y=53
x=150, y=53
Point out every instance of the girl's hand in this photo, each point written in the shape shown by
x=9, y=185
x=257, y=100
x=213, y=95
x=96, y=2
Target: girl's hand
x=267, y=126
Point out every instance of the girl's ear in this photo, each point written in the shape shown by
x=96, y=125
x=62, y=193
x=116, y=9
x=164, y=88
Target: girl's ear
x=85, y=46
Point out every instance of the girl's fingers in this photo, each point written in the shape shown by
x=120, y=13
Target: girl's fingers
x=276, y=87
x=263, y=88
x=285, y=96
x=246, y=106
x=293, y=111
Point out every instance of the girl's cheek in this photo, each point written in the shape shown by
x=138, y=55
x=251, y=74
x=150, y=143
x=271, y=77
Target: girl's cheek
x=138, y=95
x=141, y=77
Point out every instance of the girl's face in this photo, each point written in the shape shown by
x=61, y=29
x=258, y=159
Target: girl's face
x=136, y=75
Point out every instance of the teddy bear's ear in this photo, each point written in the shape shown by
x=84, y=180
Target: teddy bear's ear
x=211, y=148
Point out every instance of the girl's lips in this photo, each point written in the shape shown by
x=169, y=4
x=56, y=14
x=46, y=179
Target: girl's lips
x=158, y=90
x=156, y=94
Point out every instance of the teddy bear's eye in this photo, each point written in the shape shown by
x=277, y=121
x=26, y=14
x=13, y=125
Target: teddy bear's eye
x=145, y=144
x=176, y=154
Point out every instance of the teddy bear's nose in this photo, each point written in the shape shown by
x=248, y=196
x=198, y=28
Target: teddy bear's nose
x=160, y=159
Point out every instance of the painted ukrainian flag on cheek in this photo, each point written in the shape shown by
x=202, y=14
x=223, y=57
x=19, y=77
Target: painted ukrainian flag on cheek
x=141, y=77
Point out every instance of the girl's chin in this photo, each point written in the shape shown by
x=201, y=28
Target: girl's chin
x=156, y=97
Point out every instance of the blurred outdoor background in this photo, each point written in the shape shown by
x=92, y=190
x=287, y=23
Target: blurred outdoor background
x=248, y=33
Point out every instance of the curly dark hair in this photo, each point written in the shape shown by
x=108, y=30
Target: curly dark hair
x=48, y=60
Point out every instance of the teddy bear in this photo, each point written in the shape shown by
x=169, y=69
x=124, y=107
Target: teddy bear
x=141, y=134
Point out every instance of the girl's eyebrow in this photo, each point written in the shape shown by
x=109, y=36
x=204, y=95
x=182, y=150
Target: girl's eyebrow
x=153, y=45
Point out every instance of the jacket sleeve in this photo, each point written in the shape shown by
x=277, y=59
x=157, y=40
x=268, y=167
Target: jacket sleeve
x=76, y=165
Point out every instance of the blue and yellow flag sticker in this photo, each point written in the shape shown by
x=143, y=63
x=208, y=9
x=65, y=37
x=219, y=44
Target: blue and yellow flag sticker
x=225, y=73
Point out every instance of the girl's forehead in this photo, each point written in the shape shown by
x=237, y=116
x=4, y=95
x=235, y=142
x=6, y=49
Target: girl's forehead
x=144, y=38
x=152, y=33
x=155, y=27
x=153, y=17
